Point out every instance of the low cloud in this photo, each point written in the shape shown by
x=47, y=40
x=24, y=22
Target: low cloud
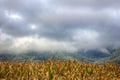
x=27, y=44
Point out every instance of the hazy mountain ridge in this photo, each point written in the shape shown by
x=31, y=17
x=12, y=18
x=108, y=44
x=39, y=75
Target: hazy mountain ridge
x=114, y=58
x=94, y=56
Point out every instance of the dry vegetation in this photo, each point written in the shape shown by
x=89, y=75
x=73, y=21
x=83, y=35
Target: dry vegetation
x=58, y=70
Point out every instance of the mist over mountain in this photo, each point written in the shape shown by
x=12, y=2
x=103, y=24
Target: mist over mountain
x=91, y=56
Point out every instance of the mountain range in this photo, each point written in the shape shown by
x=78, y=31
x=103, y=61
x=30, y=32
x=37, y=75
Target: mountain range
x=93, y=56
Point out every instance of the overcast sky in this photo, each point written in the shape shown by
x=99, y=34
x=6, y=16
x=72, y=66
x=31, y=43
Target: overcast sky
x=58, y=25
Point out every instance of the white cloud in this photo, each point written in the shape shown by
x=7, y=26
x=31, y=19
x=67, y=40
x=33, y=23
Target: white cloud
x=5, y=42
x=33, y=27
x=26, y=44
x=12, y=15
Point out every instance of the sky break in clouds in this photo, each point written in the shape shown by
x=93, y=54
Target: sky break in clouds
x=58, y=25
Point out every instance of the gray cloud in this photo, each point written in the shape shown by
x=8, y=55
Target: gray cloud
x=79, y=22
x=88, y=3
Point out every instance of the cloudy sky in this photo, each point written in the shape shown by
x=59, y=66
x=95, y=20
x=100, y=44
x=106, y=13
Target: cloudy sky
x=58, y=25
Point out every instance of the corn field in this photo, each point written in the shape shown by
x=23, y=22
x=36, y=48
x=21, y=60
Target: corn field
x=58, y=70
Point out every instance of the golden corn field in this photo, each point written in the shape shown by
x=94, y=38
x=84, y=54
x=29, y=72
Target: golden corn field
x=58, y=70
